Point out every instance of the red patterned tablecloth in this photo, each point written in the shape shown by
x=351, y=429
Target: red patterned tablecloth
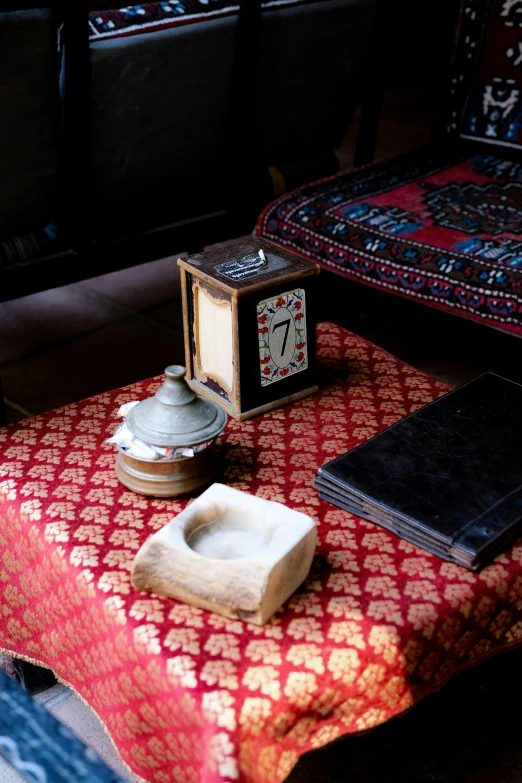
x=189, y=696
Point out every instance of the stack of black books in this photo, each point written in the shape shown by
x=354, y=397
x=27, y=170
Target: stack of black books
x=447, y=478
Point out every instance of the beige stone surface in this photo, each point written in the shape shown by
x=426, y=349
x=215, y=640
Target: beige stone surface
x=83, y=721
x=8, y=774
x=231, y=553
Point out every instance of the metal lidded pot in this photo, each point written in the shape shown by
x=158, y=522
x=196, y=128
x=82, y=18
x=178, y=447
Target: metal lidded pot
x=174, y=418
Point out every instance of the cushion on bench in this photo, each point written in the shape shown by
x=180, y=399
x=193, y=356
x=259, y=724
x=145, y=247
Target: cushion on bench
x=189, y=696
x=160, y=107
x=443, y=230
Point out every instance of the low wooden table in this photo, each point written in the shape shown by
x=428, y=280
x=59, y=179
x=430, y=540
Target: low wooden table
x=188, y=696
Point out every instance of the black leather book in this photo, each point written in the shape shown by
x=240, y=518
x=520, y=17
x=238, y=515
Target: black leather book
x=447, y=478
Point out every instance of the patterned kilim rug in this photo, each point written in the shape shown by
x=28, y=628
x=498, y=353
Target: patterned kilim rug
x=445, y=231
x=149, y=17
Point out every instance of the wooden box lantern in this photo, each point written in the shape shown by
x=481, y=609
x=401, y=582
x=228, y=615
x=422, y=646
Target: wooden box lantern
x=249, y=322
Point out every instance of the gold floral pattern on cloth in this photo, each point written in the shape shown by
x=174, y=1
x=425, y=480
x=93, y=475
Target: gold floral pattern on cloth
x=192, y=697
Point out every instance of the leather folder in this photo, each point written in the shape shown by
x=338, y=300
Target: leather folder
x=447, y=478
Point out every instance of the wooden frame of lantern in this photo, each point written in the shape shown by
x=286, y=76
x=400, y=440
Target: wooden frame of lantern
x=249, y=314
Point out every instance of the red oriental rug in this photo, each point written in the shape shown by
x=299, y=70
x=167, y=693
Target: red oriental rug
x=192, y=697
x=436, y=228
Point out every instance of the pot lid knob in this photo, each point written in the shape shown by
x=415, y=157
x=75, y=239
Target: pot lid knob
x=175, y=389
x=176, y=372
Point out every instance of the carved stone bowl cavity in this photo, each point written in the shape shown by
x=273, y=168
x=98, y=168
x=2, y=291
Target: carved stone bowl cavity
x=230, y=552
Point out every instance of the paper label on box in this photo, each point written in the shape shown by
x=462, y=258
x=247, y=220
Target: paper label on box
x=281, y=327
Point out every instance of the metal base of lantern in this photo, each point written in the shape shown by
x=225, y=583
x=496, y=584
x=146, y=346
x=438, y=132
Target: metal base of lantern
x=167, y=479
